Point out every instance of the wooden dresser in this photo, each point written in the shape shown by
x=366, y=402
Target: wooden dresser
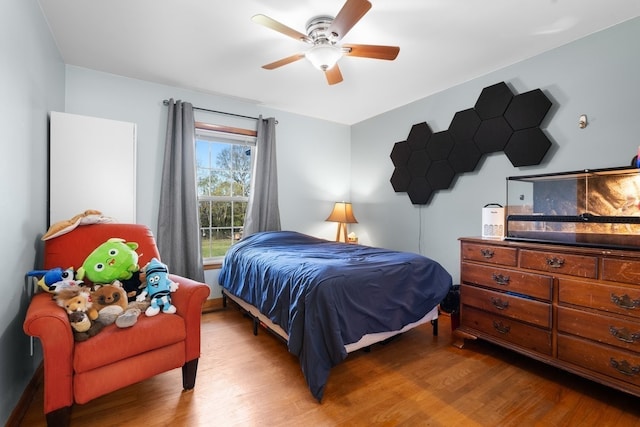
x=573, y=307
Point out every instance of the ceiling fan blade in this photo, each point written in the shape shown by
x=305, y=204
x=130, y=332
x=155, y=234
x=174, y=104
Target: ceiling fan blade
x=283, y=61
x=281, y=28
x=348, y=16
x=333, y=75
x=372, y=51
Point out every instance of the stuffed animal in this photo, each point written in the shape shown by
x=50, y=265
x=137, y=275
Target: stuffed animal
x=85, y=218
x=113, y=295
x=55, y=279
x=115, y=259
x=83, y=327
x=113, y=307
x=77, y=303
x=159, y=288
x=110, y=301
x=76, y=299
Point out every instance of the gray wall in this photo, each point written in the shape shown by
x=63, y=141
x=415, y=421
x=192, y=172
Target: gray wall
x=32, y=82
x=319, y=162
x=598, y=76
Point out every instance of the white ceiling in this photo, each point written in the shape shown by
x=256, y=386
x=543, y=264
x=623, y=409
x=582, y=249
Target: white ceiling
x=212, y=46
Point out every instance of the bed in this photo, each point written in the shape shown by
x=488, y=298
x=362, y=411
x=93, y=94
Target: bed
x=327, y=299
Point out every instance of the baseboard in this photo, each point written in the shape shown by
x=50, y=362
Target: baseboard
x=213, y=304
x=15, y=419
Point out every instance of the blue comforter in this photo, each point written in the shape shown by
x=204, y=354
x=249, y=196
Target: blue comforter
x=326, y=294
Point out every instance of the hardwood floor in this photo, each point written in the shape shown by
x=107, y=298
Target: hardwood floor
x=415, y=380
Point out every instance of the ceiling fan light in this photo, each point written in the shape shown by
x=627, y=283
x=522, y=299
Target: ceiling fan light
x=324, y=56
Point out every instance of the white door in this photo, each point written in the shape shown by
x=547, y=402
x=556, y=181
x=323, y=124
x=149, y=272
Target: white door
x=92, y=165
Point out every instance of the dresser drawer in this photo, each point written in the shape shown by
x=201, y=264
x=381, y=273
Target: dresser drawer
x=560, y=263
x=489, y=253
x=605, y=329
x=510, y=330
x=535, y=285
x=526, y=310
x=610, y=361
x=609, y=298
x=621, y=270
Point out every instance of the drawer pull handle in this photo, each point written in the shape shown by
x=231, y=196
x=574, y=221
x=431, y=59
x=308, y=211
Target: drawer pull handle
x=499, y=304
x=503, y=329
x=625, y=301
x=624, y=335
x=487, y=253
x=500, y=279
x=555, y=262
x=624, y=367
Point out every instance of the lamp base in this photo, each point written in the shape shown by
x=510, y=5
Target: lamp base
x=341, y=235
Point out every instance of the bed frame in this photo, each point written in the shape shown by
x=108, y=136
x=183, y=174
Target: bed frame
x=365, y=342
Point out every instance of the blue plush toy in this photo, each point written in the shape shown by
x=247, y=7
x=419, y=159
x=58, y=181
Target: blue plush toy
x=159, y=288
x=55, y=279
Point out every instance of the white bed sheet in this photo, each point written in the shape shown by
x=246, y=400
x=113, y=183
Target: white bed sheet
x=365, y=341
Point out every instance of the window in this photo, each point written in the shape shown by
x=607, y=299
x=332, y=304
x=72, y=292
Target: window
x=223, y=163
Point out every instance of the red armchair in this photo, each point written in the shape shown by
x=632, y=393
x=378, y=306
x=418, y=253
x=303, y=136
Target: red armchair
x=116, y=357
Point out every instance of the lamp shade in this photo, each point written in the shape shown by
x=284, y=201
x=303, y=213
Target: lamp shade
x=342, y=212
x=324, y=56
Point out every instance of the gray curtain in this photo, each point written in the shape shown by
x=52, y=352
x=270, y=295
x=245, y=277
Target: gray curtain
x=178, y=225
x=262, y=210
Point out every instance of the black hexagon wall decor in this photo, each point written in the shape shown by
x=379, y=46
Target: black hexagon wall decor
x=440, y=145
x=440, y=175
x=419, y=136
x=464, y=156
x=400, y=153
x=400, y=179
x=492, y=135
x=464, y=125
x=500, y=121
x=419, y=191
x=493, y=101
x=527, y=147
x=419, y=163
x=527, y=110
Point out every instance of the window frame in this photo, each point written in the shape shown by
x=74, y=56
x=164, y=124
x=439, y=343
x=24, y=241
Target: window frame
x=226, y=134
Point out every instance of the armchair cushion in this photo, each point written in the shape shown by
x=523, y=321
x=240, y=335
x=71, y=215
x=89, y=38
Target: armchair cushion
x=113, y=344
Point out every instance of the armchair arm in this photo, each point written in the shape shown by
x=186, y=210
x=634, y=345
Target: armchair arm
x=188, y=299
x=48, y=322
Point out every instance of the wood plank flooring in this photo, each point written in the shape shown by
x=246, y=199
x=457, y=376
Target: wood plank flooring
x=415, y=380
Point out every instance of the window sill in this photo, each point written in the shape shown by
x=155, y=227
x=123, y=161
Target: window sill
x=213, y=265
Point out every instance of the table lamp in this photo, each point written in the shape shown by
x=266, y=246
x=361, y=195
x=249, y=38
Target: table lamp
x=342, y=214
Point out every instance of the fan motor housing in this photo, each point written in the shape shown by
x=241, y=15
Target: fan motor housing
x=318, y=29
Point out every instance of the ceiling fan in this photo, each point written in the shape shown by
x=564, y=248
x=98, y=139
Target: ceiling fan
x=323, y=33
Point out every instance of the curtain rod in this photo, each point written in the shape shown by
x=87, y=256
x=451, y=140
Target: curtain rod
x=166, y=102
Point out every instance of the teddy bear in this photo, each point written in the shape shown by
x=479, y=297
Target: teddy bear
x=83, y=327
x=111, y=303
x=159, y=288
x=82, y=315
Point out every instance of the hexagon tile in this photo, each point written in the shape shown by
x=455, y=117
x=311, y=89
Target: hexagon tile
x=500, y=121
